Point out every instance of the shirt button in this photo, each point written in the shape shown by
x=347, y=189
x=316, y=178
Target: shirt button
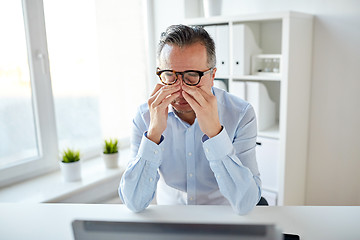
x=191, y=198
x=190, y=175
x=189, y=153
x=206, y=149
x=151, y=179
x=156, y=151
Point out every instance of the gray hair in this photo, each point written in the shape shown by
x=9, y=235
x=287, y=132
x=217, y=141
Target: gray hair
x=182, y=35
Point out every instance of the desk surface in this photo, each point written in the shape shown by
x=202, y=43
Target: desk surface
x=53, y=221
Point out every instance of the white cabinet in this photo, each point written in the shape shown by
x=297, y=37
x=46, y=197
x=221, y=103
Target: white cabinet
x=220, y=35
x=265, y=108
x=266, y=59
x=268, y=156
x=245, y=45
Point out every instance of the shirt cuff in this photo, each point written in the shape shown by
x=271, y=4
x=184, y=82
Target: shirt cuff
x=150, y=151
x=216, y=148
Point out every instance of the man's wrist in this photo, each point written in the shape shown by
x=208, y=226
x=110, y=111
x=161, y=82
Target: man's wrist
x=216, y=132
x=153, y=137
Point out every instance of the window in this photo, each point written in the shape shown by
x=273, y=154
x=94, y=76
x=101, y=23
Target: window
x=17, y=125
x=74, y=72
x=38, y=154
x=71, y=85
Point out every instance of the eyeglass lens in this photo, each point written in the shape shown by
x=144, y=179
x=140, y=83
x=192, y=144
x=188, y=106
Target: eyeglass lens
x=188, y=77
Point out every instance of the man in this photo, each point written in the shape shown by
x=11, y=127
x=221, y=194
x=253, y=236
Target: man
x=191, y=143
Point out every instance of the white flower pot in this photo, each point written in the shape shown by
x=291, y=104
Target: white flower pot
x=111, y=160
x=71, y=171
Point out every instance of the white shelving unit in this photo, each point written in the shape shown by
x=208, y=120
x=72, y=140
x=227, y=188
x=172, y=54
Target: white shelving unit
x=279, y=90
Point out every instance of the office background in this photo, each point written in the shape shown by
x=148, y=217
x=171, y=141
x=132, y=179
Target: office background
x=333, y=157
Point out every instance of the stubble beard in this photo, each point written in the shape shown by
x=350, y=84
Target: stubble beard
x=180, y=111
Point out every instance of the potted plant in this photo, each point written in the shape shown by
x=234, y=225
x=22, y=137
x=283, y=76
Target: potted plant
x=111, y=153
x=70, y=165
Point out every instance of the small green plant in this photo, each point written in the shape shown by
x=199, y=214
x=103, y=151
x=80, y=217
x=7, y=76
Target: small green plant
x=111, y=146
x=70, y=155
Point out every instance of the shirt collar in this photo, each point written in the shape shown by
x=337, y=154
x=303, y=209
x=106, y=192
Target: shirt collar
x=171, y=109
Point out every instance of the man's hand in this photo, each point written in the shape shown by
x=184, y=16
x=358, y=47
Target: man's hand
x=205, y=106
x=158, y=104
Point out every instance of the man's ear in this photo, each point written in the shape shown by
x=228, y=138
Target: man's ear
x=213, y=75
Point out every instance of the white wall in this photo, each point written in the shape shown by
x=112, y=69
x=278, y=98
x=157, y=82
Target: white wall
x=334, y=151
x=122, y=64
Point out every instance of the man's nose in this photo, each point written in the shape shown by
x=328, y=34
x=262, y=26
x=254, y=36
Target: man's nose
x=180, y=80
x=181, y=83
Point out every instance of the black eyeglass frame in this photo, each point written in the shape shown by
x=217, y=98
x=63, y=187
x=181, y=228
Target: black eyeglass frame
x=201, y=74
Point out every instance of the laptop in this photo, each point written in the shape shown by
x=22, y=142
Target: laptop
x=111, y=230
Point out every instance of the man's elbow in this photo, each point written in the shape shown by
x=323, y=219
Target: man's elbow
x=243, y=210
x=135, y=208
x=246, y=204
x=132, y=205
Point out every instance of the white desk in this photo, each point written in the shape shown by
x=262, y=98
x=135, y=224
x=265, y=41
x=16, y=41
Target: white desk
x=53, y=221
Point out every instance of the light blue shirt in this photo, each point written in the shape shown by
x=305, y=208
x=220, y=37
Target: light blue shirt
x=187, y=167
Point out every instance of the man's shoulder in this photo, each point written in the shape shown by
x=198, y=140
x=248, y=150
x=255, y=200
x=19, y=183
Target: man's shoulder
x=230, y=101
x=142, y=113
x=143, y=108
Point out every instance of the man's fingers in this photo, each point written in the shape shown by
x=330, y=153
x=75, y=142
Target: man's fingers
x=209, y=97
x=159, y=86
x=193, y=104
x=156, y=89
x=165, y=102
x=205, y=93
x=163, y=94
x=196, y=95
x=169, y=99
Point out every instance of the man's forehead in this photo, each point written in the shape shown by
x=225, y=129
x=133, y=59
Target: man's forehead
x=165, y=54
x=171, y=54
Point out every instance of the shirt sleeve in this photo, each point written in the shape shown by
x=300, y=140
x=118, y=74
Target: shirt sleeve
x=233, y=162
x=138, y=183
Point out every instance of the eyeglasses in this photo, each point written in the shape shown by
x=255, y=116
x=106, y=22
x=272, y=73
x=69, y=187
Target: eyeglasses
x=189, y=77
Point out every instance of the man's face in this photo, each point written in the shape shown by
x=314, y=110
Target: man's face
x=192, y=57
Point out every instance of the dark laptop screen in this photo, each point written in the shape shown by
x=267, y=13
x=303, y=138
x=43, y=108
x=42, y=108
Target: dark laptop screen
x=108, y=230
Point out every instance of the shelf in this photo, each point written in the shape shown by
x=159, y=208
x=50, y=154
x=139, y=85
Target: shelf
x=245, y=42
x=272, y=132
x=274, y=77
x=269, y=16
